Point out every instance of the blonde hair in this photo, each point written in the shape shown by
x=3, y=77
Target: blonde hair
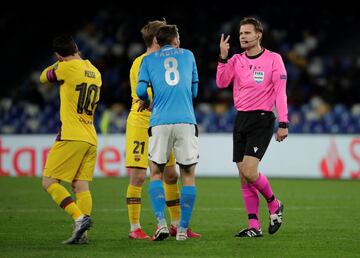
x=150, y=30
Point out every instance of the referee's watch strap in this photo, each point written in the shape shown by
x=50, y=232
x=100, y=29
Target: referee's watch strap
x=283, y=125
x=222, y=60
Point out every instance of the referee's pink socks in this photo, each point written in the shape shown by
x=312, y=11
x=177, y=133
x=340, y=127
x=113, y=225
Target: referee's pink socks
x=263, y=185
x=251, y=200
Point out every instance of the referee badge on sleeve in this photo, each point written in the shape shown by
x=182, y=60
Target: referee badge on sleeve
x=258, y=76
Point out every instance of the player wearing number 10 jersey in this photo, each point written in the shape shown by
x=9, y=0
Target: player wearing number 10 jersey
x=72, y=157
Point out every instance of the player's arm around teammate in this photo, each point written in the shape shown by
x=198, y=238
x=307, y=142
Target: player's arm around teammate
x=173, y=75
x=137, y=149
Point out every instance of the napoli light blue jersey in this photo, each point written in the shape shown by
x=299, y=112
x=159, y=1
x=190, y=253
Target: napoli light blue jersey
x=173, y=76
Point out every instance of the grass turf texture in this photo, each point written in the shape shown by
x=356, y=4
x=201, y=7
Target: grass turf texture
x=322, y=219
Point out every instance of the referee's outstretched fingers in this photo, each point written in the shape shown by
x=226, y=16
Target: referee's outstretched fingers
x=224, y=46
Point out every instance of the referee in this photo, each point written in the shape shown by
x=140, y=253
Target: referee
x=259, y=82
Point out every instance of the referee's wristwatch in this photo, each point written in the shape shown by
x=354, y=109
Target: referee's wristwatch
x=222, y=60
x=283, y=125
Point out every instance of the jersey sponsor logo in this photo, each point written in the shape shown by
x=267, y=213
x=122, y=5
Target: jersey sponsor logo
x=258, y=76
x=87, y=122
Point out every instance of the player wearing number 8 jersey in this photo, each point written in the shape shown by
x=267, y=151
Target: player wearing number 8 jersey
x=73, y=155
x=172, y=74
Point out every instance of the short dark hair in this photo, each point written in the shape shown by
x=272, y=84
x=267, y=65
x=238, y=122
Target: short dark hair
x=149, y=31
x=254, y=21
x=65, y=45
x=166, y=34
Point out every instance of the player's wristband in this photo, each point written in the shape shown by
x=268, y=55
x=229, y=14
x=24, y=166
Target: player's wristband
x=283, y=125
x=222, y=60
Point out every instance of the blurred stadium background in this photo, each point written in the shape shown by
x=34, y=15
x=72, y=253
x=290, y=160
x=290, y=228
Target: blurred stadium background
x=317, y=44
x=320, y=47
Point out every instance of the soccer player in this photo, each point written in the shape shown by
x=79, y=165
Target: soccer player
x=137, y=149
x=73, y=155
x=172, y=74
x=259, y=78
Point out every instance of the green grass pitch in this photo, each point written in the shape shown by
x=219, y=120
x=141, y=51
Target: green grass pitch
x=321, y=219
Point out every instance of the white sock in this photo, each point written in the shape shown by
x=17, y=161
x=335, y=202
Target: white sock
x=161, y=223
x=175, y=223
x=182, y=230
x=134, y=226
x=79, y=218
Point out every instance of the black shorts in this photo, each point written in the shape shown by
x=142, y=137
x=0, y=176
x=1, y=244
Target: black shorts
x=253, y=131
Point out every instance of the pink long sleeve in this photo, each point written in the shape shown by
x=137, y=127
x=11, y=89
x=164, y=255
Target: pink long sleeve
x=279, y=80
x=224, y=74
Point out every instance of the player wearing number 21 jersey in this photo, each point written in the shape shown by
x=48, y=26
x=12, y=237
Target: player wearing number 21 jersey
x=73, y=155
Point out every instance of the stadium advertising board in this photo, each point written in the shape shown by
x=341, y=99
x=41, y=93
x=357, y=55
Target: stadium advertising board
x=299, y=156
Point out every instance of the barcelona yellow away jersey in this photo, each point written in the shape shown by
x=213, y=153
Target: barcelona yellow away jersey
x=140, y=119
x=80, y=84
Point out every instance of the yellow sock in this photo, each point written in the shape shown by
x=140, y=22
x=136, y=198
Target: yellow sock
x=133, y=199
x=172, y=196
x=84, y=202
x=62, y=197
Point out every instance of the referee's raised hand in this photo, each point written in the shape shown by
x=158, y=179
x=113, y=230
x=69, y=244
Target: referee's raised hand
x=224, y=46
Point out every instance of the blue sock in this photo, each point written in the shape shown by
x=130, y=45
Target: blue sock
x=187, y=200
x=157, y=197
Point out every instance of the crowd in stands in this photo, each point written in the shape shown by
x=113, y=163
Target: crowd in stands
x=323, y=77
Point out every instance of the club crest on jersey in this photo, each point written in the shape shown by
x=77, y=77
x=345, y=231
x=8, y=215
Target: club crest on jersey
x=258, y=76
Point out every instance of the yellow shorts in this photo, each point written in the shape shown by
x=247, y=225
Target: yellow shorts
x=136, y=152
x=71, y=160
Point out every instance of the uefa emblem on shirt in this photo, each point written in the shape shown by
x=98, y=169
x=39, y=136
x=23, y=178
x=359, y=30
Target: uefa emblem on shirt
x=258, y=76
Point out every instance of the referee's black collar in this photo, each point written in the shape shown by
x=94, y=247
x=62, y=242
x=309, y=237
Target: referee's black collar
x=255, y=56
